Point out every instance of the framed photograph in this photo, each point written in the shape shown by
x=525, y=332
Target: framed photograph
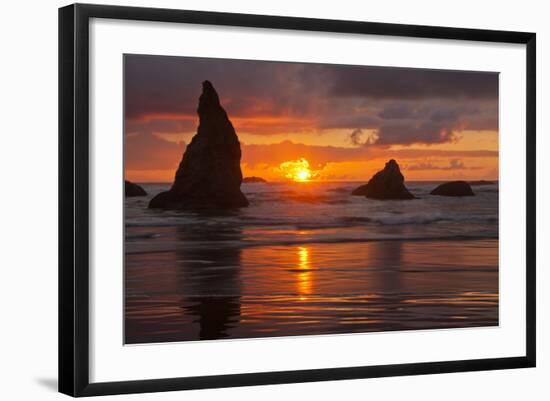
x=250, y=199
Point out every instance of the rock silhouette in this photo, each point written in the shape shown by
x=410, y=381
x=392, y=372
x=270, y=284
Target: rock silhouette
x=251, y=180
x=131, y=189
x=385, y=184
x=209, y=174
x=453, y=188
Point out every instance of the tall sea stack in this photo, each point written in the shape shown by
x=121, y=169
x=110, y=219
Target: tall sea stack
x=209, y=174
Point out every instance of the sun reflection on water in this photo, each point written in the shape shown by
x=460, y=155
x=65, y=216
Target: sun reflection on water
x=304, y=276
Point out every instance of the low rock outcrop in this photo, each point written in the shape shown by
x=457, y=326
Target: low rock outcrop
x=253, y=180
x=453, y=188
x=131, y=189
x=209, y=174
x=386, y=184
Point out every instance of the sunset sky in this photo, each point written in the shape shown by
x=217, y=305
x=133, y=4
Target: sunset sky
x=345, y=121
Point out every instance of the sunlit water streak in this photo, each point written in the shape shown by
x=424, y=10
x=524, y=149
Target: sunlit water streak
x=307, y=258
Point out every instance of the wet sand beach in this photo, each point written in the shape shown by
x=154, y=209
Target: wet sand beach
x=319, y=262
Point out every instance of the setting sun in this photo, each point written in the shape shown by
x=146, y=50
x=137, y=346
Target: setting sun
x=297, y=170
x=302, y=175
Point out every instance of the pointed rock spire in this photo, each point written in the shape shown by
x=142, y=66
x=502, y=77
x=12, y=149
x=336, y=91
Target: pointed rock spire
x=209, y=174
x=209, y=100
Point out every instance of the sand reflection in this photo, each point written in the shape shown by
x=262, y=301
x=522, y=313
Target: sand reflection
x=211, y=292
x=210, y=281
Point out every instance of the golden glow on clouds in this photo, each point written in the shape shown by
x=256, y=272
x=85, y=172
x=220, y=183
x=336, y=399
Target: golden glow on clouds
x=310, y=164
x=297, y=170
x=332, y=137
x=150, y=175
x=260, y=124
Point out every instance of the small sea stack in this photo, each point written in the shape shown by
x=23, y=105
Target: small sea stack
x=387, y=184
x=253, y=180
x=209, y=175
x=131, y=189
x=453, y=188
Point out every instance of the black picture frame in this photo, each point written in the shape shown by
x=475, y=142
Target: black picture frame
x=74, y=192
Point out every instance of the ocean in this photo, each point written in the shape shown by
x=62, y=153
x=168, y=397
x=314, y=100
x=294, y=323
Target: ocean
x=307, y=259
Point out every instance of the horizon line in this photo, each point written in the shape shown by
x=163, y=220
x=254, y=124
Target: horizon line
x=327, y=181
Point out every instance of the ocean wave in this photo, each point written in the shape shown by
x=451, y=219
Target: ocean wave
x=486, y=189
x=314, y=222
x=419, y=218
x=172, y=246
x=295, y=197
x=346, y=190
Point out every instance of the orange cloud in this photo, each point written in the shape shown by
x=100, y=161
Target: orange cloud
x=259, y=124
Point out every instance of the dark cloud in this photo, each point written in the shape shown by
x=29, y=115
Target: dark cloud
x=360, y=138
x=444, y=115
x=411, y=83
x=433, y=121
x=318, y=156
x=398, y=111
x=331, y=119
x=157, y=84
x=405, y=106
x=408, y=134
